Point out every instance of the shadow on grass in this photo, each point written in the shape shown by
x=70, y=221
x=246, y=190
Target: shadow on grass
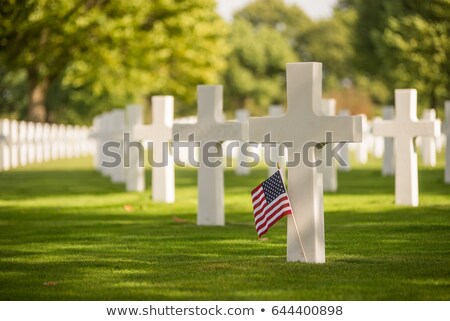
x=103, y=252
x=18, y=185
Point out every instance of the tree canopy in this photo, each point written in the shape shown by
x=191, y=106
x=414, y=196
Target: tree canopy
x=405, y=44
x=255, y=77
x=110, y=52
x=68, y=60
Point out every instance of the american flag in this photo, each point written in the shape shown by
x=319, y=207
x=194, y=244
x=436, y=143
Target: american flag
x=270, y=203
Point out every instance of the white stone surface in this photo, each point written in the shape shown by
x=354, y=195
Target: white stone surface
x=182, y=159
x=440, y=139
x=361, y=149
x=5, y=148
x=242, y=116
x=160, y=133
x=31, y=147
x=69, y=141
x=104, y=136
x=135, y=174
x=39, y=147
x=275, y=156
x=344, y=152
x=403, y=128
x=86, y=145
x=77, y=141
x=329, y=173
x=54, y=141
x=446, y=131
x=117, y=128
x=429, y=143
x=46, y=142
x=304, y=123
x=62, y=141
x=23, y=143
x=389, y=151
x=95, y=134
x=14, y=138
x=210, y=127
x=378, y=141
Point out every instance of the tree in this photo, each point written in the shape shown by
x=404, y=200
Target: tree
x=329, y=41
x=405, y=44
x=115, y=51
x=255, y=77
x=290, y=20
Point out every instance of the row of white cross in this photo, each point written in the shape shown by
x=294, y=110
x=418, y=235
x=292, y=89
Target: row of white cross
x=306, y=120
x=23, y=143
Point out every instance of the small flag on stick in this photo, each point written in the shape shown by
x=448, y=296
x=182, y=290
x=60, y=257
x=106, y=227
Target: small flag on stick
x=270, y=203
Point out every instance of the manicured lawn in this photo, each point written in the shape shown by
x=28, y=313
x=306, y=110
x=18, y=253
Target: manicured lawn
x=63, y=222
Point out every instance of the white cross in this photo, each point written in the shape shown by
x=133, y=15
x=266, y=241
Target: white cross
x=135, y=174
x=116, y=129
x=160, y=133
x=404, y=128
x=31, y=147
x=329, y=173
x=5, y=148
x=275, y=152
x=389, y=152
x=378, y=141
x=23, y=144
x=429, y=143
x=46, y=131
x=242, y=116
x=344, y=153
x=361, y=149
x=94, y=134
x=39, y=147
x=304, y=123
x=446, y=131
x=210, y=128
x=102, y=133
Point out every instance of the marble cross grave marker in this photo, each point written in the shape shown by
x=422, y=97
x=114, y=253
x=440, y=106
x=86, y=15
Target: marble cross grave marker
x=5, y=146
x=345, y=150
x=328, y=171
x=242, y=116
x=209, y=131
x=160, y=133
x=275, y=152
x=429, y=143
x=361, y=149
x=304, y=125
x=404, y=128
x=389, y=153
x=135, y=172
x=117, y=128
x=23, y=144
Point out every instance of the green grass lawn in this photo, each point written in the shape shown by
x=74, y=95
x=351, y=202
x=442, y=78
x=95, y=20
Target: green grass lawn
x=63, y=222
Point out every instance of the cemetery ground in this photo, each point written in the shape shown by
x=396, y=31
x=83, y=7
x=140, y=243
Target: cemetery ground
x=67, y=233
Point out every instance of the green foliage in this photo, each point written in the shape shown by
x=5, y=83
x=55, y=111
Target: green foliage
x=255, y=77
x=328, y=41
x=420, y=56
x=12, y=93
x=405, y=44
x=290, y=20
x=102, y=54
x=63, y=222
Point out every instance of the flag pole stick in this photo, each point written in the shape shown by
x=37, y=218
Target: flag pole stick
x=299, y=238
x=296, y=227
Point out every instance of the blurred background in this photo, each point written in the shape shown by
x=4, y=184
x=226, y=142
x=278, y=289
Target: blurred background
x=66, y=61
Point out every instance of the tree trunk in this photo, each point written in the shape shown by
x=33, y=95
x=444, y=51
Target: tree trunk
x=37, y=93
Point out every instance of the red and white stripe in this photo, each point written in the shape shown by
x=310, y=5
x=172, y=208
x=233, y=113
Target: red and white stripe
x=265, y=214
